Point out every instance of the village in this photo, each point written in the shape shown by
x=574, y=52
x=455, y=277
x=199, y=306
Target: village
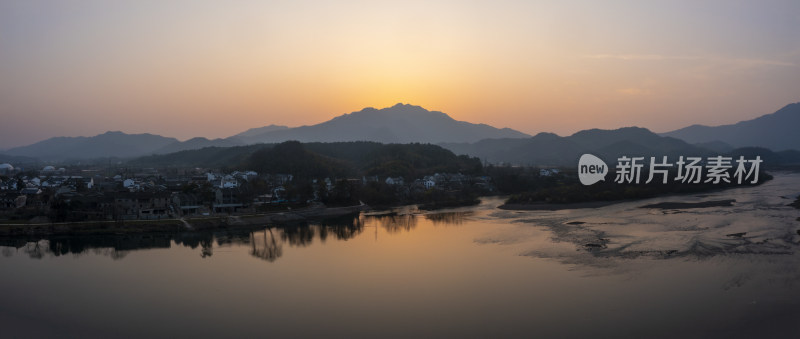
x=75, y=194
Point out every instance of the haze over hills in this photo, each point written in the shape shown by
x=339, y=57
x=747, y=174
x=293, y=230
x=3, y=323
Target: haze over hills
x=777, y=131
x=109, y=144
x=397, y=124
x=113, y=144
x=407, y=123
x=552, y=150
x=253, y=132
x=196, y=143
x=17, y=160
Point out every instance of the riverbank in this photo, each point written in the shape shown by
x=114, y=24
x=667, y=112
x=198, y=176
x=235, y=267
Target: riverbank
x=576, y=196
x=544, y=206
x=177, y=225
x=673, y=205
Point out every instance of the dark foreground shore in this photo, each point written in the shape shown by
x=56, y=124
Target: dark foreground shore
x=557, y=207
x=176, y=225
x=597, y=204
x=682, y=205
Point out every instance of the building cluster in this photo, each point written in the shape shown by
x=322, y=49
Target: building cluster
x=91, y=194
x=441, y=181
x=122, y=194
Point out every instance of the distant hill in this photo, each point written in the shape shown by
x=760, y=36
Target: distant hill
x=777, y=131
x=215, y=157
x=322, y=159
x=716, y=146
x=397, y=124
x=404, y=124
x=197, y=143
x=771, y=159
x=297, y=160
x=17, y=160
x=254, y=132
x=109, y=144
x=113, y=145
x=547, y=149
x=403, y=160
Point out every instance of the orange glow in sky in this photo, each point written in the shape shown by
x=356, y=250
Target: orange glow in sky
x=214, y=69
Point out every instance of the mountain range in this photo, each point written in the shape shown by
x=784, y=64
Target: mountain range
x=548, y=149
x=397, y=124
x=400, y=123
x=109, y=144
x=404, y=123
x=777, y=131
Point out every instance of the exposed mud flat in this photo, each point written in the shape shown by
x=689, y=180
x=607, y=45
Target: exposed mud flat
x=684, y=205
x=741, y=221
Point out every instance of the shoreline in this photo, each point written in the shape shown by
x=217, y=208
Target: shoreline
x=176, y=225
x=544, y=206
x=598, y=204
x=674, y=205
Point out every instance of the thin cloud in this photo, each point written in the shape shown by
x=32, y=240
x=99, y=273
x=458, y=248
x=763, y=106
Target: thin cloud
x=767, y=62
x=660, y=57
x=635, y=57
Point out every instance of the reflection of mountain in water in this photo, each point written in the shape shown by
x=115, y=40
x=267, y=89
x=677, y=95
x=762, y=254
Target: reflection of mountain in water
x=266, y=243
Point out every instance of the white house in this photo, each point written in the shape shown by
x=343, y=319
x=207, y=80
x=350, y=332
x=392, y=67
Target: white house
x=394, y=181
x=128, y=183
x=548, y=172
x=6, y=168
x=228, y=183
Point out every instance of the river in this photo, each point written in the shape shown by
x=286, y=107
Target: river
x=615, y=271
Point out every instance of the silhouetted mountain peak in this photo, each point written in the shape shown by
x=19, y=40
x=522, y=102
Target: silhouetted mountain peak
x=628, y=131
x=260, y=130
x=400, y=105
x=548, y=149
x=546, y=136
x=401, y=123
x=120, y=134
x=792, y=109
x=399, y=110
x=108, y=144
x=777, y=131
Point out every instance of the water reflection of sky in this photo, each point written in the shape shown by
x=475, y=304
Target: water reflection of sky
x=265, y=242
x=465, y=272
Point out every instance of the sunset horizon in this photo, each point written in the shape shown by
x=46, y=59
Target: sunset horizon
x=521, y=129
x=189, y=69
x=399, y=169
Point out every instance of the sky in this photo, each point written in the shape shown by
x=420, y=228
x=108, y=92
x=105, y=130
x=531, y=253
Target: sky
x=216, y=68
